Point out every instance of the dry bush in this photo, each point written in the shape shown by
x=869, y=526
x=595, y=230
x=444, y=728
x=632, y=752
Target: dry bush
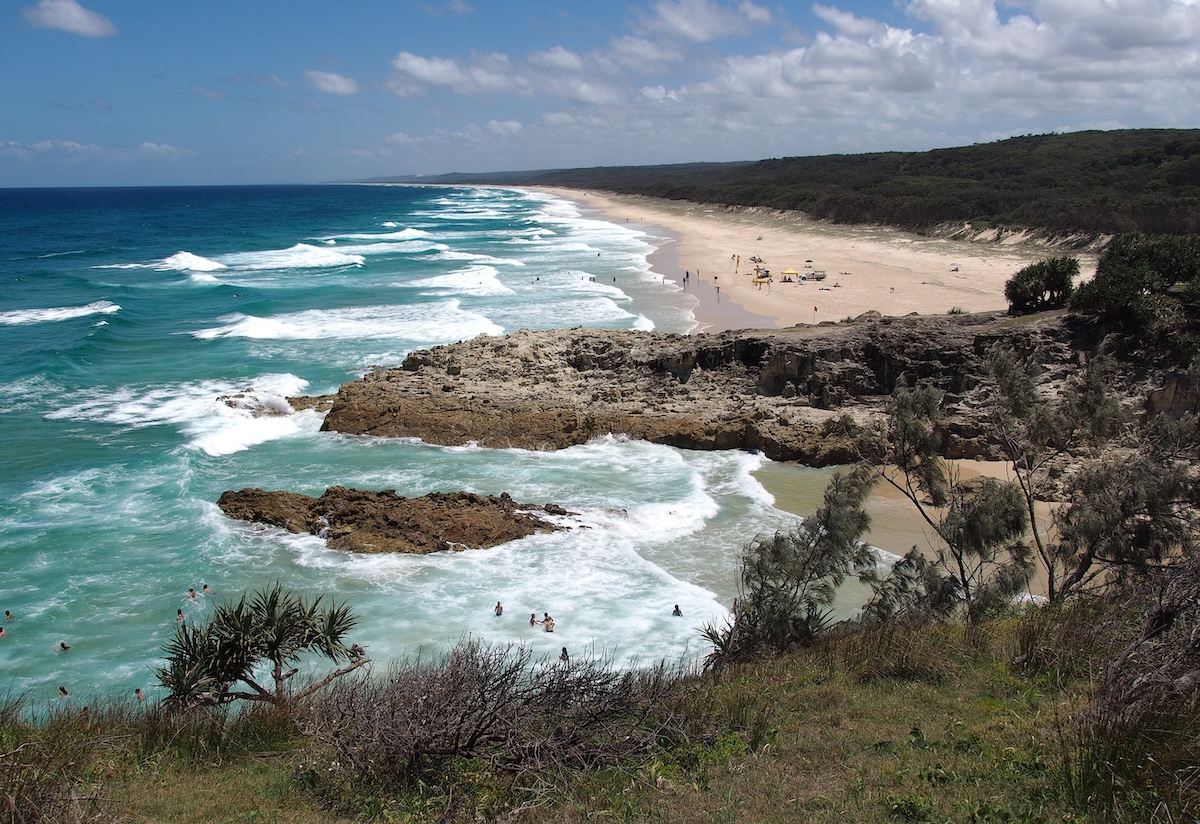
x=1137, y=748
x=539, y=722
x=43, y=768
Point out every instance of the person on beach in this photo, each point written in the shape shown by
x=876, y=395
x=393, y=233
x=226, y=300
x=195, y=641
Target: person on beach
x=677, y=612
x=499, y=609
x=548, y=622
x=562, y=656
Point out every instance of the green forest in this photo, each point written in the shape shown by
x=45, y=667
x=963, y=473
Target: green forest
x=1094, y=183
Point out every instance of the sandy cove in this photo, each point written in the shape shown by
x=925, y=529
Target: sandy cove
x=878, y=268
x=866, y=268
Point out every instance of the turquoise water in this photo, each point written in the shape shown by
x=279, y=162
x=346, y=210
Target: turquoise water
x=127, y=313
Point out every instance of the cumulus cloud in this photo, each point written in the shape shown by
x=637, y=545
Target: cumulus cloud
x=68, y=16
x=481, y=73
x=70, y=151
x=506, y=128
x=332, y=83
x=703, y=20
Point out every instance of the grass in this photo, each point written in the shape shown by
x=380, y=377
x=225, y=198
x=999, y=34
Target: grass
x=925, y=724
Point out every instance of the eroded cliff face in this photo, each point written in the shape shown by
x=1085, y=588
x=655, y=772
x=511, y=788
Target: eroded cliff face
x=771, y=390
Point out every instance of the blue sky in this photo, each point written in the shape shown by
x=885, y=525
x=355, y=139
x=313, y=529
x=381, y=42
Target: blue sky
x=131, y=92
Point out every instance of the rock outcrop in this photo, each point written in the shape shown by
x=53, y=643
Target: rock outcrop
x=772, y=390
x=361, y=521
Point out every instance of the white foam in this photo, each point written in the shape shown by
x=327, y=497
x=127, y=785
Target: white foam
x=219, y=417
x=478, y=281
x=300, y=256
x=187, y=262
x=440, y=322
x=54, y=314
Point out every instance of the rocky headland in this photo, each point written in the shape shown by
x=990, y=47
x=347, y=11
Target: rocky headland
x=363, y=521
x=777, y=391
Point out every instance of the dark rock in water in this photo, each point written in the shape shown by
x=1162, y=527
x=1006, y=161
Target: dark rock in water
x=364, y=521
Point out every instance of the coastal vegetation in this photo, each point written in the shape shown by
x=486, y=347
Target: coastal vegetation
x=1091, y=183
x=945, y=699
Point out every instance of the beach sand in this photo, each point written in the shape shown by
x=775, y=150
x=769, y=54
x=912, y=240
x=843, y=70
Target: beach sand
x=866, y=268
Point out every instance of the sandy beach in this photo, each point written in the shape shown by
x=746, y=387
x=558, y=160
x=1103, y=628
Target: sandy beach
x=865, y=268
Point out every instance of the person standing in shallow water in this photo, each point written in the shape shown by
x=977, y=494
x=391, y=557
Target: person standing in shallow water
x=533, y=621
x=548, y=622
x=562, y=656
x=499, y=609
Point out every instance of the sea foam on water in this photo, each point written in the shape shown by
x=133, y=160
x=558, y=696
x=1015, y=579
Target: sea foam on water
x=120, y=440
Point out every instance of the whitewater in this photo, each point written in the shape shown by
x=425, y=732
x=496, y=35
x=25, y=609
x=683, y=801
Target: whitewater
x=128, y=314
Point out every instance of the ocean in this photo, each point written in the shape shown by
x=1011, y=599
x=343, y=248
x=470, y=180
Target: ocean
x=128, y=313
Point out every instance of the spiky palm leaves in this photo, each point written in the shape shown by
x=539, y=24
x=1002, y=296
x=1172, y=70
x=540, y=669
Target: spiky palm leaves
x=273, y=626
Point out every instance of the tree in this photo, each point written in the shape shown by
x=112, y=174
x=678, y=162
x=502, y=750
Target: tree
x=981, y=561
x=1047, y=284
x=1035, y=430
x=788, y=580
x=273, y=627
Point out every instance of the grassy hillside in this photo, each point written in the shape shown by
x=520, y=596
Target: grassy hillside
x=1144, y=180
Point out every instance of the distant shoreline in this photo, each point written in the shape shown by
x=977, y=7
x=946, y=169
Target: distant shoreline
x=865, y=268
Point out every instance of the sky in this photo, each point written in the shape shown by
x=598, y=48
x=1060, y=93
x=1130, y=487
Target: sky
x=178, y=92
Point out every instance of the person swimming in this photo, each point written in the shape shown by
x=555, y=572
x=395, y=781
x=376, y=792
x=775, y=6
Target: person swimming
x=62, y=692
x=138, y=692
x=63, y=646
x=499, y=609
x=677, y=612
x=533, y=621
x=548, y=622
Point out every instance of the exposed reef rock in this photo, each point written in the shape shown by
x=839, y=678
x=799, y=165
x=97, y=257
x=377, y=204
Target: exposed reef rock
x=361, y=521
x=771, y=390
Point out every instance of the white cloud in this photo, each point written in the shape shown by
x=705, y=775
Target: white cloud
x=557, y=58
x=68, y=16
x=483, y=73
x=70, y=151
x=332, y=83
x=701, y=21
x=506, y=128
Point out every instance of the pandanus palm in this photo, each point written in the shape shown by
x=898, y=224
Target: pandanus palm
x=273, y=626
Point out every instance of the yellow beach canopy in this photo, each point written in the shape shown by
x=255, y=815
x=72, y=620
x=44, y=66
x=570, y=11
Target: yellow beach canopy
x=789, y=271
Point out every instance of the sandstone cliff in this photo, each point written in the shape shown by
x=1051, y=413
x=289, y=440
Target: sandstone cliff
x=771, y=390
